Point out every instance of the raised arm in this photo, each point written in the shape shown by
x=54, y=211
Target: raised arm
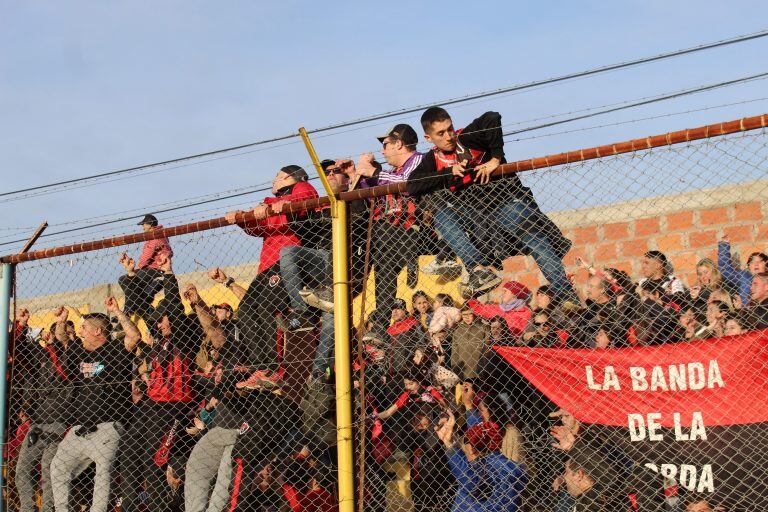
x=725, y=262
x=132, y=333
x=388, y=412
x=484, y=310
x=211, y=325
x=61, y=314
x=220, y=277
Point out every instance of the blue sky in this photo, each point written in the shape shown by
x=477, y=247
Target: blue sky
x=87, y=87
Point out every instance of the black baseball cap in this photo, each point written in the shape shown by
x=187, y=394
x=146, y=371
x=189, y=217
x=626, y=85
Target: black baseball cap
x=148, y=219
x=402, y=132
x=295, y=172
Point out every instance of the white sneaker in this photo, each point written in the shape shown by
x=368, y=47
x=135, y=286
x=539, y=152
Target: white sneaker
x=439, y=268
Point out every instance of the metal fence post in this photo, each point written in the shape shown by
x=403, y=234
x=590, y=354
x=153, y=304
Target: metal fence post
x=342, y=357
x=6, y=280
x=342, y=313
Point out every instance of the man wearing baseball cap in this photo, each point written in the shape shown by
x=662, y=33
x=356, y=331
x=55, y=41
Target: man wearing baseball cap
x=141, y=281
x=399, y=151
x=266, y=297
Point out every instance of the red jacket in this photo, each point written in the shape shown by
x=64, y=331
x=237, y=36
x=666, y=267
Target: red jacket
x=152, y=249
x=274, y=229
x=516, y=319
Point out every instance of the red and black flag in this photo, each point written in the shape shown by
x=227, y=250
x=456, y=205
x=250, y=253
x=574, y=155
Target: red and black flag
x=695, y=413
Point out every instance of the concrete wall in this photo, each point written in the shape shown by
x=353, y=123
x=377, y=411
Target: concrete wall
x=684, y=226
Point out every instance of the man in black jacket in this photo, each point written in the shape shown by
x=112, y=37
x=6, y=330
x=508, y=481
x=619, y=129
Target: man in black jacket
x=46, y=393
x=309, y=264
x=506, y=209
x=167, y=383
x=100, y=368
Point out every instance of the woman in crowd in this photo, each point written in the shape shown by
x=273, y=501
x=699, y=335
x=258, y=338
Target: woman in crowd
x=422, y=308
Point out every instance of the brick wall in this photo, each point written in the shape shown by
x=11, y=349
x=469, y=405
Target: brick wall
x=686, y=227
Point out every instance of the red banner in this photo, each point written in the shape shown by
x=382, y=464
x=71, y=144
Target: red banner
x=717, y=382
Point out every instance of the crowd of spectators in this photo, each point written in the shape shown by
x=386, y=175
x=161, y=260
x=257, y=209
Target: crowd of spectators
x=189, y=413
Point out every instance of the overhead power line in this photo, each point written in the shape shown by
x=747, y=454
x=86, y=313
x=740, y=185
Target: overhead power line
x=686, y=92
x=561, y=78
x=399, y=112
x=759, y=76
x=133, y=217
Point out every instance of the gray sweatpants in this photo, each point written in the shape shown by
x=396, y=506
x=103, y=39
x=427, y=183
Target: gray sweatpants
x=75, y=454
x=42, y=453
x=210, y=465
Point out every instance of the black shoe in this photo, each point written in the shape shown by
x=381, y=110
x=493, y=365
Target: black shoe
x=295, y=322
x=482, y=280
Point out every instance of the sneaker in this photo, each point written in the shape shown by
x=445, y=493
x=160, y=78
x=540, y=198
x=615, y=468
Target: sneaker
x=482, y=280
x=261, y=379
x=320, y=298
x=295, y=322
x=439, y=268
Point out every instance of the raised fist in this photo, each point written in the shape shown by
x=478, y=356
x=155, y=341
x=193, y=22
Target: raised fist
x=190, y=293
x=127, y=262
x=111, y=304
x=217, y=275
x=61, y=314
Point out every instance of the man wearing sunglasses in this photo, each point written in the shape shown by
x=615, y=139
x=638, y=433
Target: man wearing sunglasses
x=309, y=266
x=266, y=297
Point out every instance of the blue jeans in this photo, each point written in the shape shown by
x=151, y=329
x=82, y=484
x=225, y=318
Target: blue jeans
x=519, y=219
x=303, y=266
x=325, y=346
x=453, y=224
x=515, y=218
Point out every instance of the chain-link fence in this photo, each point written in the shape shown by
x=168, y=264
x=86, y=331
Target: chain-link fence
x=576, y=336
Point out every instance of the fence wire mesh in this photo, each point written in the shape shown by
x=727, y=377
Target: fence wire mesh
x=582, y=337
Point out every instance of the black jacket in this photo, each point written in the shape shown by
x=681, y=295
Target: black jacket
x=483, y=134
x=45, y=390
x=314, y=227
x=758, y=315
x=440, y=189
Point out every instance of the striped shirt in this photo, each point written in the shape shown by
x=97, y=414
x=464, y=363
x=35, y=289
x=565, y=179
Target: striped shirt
x=396, y=209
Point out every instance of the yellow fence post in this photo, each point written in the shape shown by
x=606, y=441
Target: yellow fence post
x=342, y=352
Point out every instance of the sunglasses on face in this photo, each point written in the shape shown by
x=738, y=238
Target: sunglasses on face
x=333, y=170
